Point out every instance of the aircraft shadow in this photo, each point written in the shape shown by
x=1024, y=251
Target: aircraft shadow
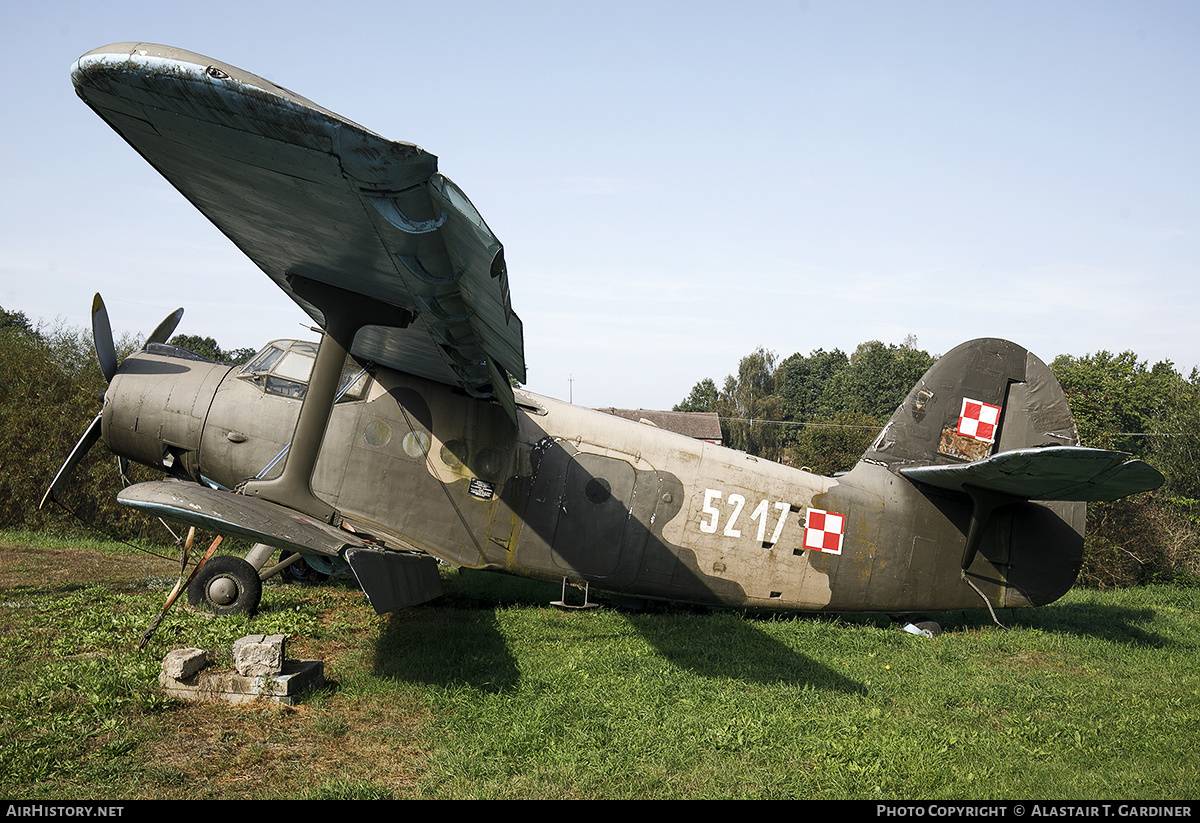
x=460, y=641
x=1114, y=624
x=732, y=647
x=444, y=646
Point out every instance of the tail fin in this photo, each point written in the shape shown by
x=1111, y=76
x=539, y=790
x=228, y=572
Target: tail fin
x=990, y=415
x=990, y=420
x=983, y=397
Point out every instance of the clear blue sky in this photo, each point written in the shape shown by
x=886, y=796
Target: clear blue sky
x=675, y=183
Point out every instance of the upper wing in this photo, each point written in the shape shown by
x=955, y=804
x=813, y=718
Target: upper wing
x=308, y=194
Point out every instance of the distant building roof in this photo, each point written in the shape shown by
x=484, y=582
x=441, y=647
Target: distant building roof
x=699, y=425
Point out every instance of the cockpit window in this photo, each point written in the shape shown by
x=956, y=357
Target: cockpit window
x=296, y=364
x=264, y=360
x=285, y=366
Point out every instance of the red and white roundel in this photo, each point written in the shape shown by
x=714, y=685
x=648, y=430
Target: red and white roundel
x=823, y=531
x=978, y=420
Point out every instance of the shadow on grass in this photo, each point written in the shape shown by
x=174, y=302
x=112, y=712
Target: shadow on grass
x=458, y=640
x=1111, y=623
x=1117, y=624
x=437, y=645
x=22, y=592
x=724, y=645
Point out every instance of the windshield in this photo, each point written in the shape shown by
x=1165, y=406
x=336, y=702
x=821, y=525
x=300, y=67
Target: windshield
x=284, y=367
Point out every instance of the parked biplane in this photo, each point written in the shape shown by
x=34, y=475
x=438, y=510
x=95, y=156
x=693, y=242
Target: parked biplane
x=398, y=440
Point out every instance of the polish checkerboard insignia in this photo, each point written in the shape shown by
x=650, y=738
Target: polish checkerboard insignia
x=978, y=420
x=823, y=531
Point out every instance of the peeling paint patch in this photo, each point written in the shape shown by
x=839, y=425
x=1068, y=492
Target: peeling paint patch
x=972, y=436
x=953, y=444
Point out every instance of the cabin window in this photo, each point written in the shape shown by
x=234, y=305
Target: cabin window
x=353, y=385
x=285, y=366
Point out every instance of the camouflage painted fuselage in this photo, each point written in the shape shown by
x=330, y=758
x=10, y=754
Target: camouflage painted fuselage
x=573, y=493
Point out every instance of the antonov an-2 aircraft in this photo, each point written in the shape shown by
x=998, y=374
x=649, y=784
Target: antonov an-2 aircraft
x=399, y=441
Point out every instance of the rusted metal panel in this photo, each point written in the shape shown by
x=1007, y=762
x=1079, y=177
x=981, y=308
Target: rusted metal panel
x=961, y=447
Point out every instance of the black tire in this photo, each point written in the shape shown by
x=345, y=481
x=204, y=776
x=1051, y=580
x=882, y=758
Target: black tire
x=226, y=585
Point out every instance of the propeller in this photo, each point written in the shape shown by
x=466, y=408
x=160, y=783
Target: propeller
x=162, y=332
x=106, y=353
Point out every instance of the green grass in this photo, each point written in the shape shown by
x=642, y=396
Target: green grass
x=489, y=693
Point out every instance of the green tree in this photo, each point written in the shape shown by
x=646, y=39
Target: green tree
x=749, y=408
x=833, y=446
x=1174, y=444
x=1120, y=402
x=1117, y=398
x=876, y=380
x=801, y=382
x=703, y=398
x=208, y=348
x=240, y=356
x=14, y=320
x=49, y=384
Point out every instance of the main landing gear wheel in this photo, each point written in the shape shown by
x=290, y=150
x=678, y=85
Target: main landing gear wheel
x=226, y=585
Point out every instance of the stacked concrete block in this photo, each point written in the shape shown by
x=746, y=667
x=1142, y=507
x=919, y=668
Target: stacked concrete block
x=261, y=672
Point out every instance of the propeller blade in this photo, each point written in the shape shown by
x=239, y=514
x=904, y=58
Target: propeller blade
x=81, y=448
x=163, y=332
x=102, y=337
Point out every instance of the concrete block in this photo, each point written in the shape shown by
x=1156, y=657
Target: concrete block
x=261, y=673
x=180, y=664
x=259, y=655
x=297, y=676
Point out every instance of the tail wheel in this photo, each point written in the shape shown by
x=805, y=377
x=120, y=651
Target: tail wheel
x=929, y=626
x=226, y=585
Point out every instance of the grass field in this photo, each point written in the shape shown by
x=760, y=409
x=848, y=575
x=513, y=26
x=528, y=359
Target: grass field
x=491, y=693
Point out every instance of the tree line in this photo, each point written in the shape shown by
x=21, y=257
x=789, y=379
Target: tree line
x=818, y=411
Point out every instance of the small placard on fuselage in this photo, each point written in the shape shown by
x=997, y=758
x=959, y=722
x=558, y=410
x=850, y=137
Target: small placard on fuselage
x=481, y=489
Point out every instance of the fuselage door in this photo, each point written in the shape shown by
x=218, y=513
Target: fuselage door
x=594, y=516
x=577, y=516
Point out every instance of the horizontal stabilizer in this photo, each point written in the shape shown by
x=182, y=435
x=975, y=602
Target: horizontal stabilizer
x=1052, y=473
x=226, y=513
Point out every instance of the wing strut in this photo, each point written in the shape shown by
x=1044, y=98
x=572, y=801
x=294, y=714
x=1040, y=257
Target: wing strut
x=345, y=313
